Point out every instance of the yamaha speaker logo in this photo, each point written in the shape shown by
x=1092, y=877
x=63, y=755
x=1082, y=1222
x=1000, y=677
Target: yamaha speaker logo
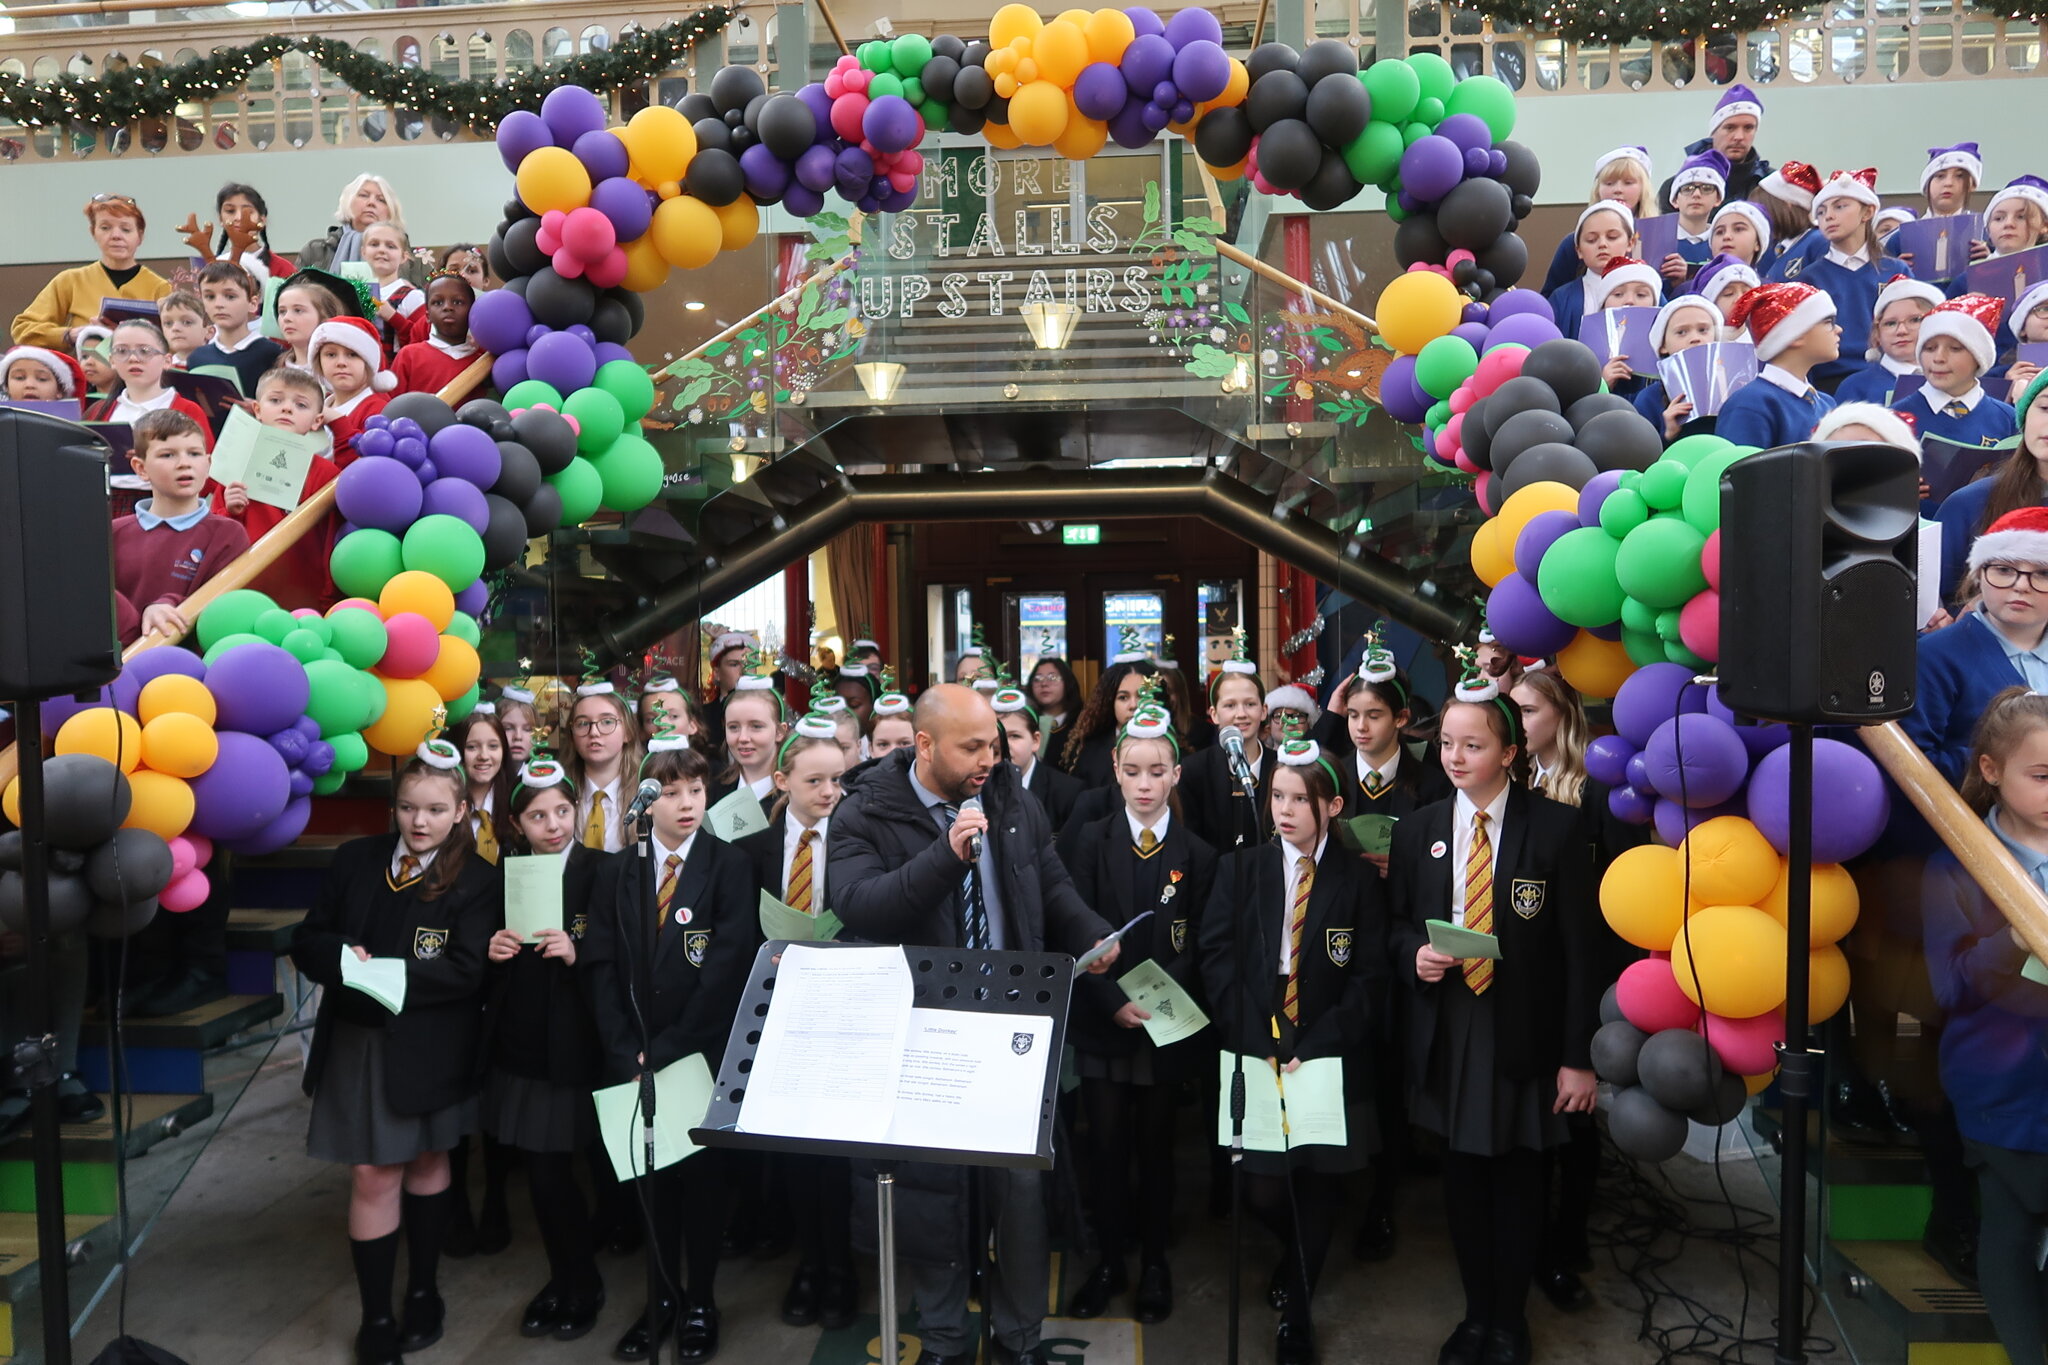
x=1876, y=687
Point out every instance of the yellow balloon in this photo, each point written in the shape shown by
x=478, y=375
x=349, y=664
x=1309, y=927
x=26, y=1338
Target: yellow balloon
x=645, y=269
x=1738, y=954
x=552, y=178
x=738, y=223
x=1020, y=48
x=105, y=733
x=1081, y=139
x=1756, y=1085
x=454, y=670
x=686, y=232
x=1835, y=901
x=1109, y=32
x=661, y=141
x=1416, y=308
x=1526, y=504
x=1489, y=560
x=1006, y=85
x=160, y=803
x=409, y=705
x=1228, y=173
x=1827, y=983
x=1731, y=862
x=10, y=801
x=1642, y=895
x=1012, y=22
x=1061, y=50
x=1077, y=17
x=1000, y=135
x=1027, y=71
x=178, y=744
x=420, y=592
x=172, y=693
x=1596, y=667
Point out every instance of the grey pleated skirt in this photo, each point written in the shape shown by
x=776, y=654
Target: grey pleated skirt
x=1463, y=1097
x=354, y=1123
x=537, y=1116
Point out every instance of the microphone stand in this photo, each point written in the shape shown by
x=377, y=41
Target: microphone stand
x=1247, y=841
x=643, y=840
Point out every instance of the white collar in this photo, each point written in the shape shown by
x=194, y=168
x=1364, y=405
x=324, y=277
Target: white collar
x=1467, y=808
x=249, y=338
x=1897, y=366
x=157, y=404
x=1786, y=380
x=1685, y=236
x=1294, y=855
x=1158, y=829
x=793, y=831
x=461, y=351
x=401, y=851
x=1936, y=400
x=1848, y=262
x=1024, y=774
x=760, y=787
x=1387, y=770
x=344, y=409
x=1538, y=770
x=662, y=852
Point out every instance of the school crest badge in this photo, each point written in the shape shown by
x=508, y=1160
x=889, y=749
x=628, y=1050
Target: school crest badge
x=1337, y=943
x=427, y=944
x=578, y=922
x=1020, y=1043
x=696, y=944
x=1178, y=932
x=1527, y=898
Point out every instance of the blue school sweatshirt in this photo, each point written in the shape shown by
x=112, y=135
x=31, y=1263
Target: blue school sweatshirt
x=1960, y=668
x=1763, y=415
x=1871, y=384
x=1990, y=422
x=1854, y=292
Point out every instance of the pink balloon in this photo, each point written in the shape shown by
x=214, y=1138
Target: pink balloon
x=188, y=892
x=1497, y=368
x=1464, y=461
x=1710, y=560
x=1482, y=491
x=610, y=272
x=835, y=84
x=202, y=848
x=911, y=160
x=414, y=645
x=1462, y=398
x=589, y=234
x=549, y=238
x=1650, y=999
x=567, y=263
x=307, y=611
x=365, y=603
x=847, y=112
x=183, y=857
x=902, y=181
x=1699, y=624
x=1452, y=435
x=1745, y=1045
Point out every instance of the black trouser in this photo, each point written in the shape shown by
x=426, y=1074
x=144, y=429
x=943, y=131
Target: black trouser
x=197, y=940
x=1495, y=1205
x=2015, y=1290
x=1127, y=1122
x=1303, y=1220
x=821, y=1201
x=564, y=1218
x=1574, y=1171
x=689, y=1203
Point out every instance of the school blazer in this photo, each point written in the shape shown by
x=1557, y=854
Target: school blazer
x=432, y=1045
x=699, y=969
x=1056, y=791
x=538, y=1021
x=1416, y=784
x=1209, y=794
x=1168, y=936
x=764, y=850
x=1546, y=983
x=1343, y=968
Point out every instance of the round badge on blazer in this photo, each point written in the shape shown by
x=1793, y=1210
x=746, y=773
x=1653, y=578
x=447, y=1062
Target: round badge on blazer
x=683, y=915
x=1438, y=849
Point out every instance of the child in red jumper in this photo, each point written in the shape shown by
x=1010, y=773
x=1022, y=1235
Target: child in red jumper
x=431, y=365
x=36, y=373
x=349, y=358
x=171, y=544
x=290, y=398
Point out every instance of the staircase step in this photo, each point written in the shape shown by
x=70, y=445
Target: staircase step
x=167, y=1055
x=19, y=1271
x=262, y=931
x=1939, y=1319
x=89, y=1183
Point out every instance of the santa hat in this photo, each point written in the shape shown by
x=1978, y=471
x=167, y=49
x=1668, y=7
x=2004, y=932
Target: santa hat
x=1970, y=320
x=2031, y=188
x=1639, y=155
x=1724, y=270
x=731, y=640
x=1896, y=288
x=1961, y=157
x=1628, y=220
x=1891, y=428
x=1290, y=697
x=69, y=373
x=1892, y=218
x=1737, y=100
x=1677, y=306
x=1858, y=185
x=1758, y=219
x=2019, y=537
x=1621, y=270
x=1707, y=168
x=1779, y=314
x=1795, y=182
x=361, y=338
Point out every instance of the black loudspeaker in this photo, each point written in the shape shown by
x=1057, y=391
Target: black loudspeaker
x=56, y=559
x=1818, y=549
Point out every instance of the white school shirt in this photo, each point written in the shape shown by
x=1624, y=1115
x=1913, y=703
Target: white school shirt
x=1291, y=857
x=614, y=827
x=1158, y=828
x=1462, y=812
x=426, y=860
x=1937, y=401
x=1786, y=380
x=792, y=834
x=1366, y=766
x=1848, y=262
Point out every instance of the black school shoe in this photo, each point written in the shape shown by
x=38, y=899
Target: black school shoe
x=377, y=1343
x=543, y=1313
x=800, y=1302
x=578, y=1314
x=839, y=1301
x=698, y=1339
x=1155, y=1293
x=424, y=1314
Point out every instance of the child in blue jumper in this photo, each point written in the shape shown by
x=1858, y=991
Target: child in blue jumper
x=1696, y=192
x=1955, y=348
x=1793, y=327
x=1622, y=176
x=2020, y=481
x=1996, y=645
x=1685, y=322
x=1842, y=256
x=1894, y=341
x=1606, y=231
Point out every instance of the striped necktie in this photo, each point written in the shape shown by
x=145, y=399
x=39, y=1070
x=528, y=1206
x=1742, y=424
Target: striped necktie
x=408, y=872
x=671, y=868
x=800, y=876
x=973, y=910
x=1297, y=920
x=594, y=827
x=1956, y=408
x=1479, y=902
x=1374, y=781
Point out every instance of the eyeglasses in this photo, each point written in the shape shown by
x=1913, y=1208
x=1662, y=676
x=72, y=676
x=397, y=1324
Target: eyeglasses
x=112, y=199
x=599, y=725
x=2006, y=576
x=135, y=352
x=1900, y=324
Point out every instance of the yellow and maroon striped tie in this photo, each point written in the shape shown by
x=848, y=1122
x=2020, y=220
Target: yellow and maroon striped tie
x=408, y=872
x=800, y=873
x=1479, y=902
x=666, y=892
x=1297, y=920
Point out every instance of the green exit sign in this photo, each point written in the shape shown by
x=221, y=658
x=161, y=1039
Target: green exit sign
x=1082, y=534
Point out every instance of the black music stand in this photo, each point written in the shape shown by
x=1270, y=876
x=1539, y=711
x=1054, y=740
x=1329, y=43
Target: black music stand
x=941, y=978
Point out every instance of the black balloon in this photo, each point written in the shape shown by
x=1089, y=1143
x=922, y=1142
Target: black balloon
x=1523, y=206
x=997, y=110
x=965, y=120
x=67, y=860
x=1610, y=1003
x=696, y=107
x=976, y=54
x=1474, y=213
x=518, y=472
x=1223, y=137
x=1525, y=431
x=543, y=510
x=494, y=252
x=1333, y=185
x=949, y=46
x=1327, y=57
x=713, y=135
x=1416, y=240
x=1270, y=57
x=937, y=79
x=1680, y=1069
x=1507, y=259
x=715, y=177
x=1620, y=440
x=972, y=88
x=425, y=408
x=742, y=138
x=505, y=533
x=522, y=252
x=1731, y=1097
x=1276, y=97
x=1289, y=154
x=1643, y=1128
x=1338, y=107
x=10, y=849
x=129, y=868
x=483, y=413
x=1465, y=273
x=515, y=210
x=518, y=284
x=560, y=302
x=610, y=321
x=1524, y=174
x=751, y=118
x=1548, y=462
x=70, y=903
x=119, y=921
x=636, y=308
x=735, y=86
x=1475, y=437
x=1592, y=405
x=1569, y=367
x=1615, y=1048
x=1520, y=395
x=552, y=440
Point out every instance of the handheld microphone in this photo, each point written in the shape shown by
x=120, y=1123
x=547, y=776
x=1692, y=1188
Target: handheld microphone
x=1232, y=740
x=972, y=803
x=649, y=793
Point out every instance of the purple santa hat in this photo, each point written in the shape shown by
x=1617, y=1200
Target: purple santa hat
x=1738, y=99
x=2031, y=188
x=1962, y=157
x=1707, y=168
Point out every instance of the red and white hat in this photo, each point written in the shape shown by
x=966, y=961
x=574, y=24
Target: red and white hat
x=1662, y=322
x=2019, y=537
x=1794, y=181
x=1890, y=427
x=1858, y=185
x=358, y=336
x=1897, y=288
x=1621, y=270
x=1779, y=314
x=1968, y=319
x=70, y=374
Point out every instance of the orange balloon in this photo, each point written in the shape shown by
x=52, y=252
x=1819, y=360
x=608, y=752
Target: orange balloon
x=1038, y=113
x=1109, y=32
x=1835, y=902
x=179, y=744
x=174, y=693
x=738, y=223
x=1061, y=50
x=645, y=269
x=454, y=670
x=1000, y=135
x=1012, y=22
x=1827, y=983
x=1596, y=667
x=1756, y=1085
x=1489, y=560
x=419, y=592
x=686, y=232
x=1083, y=138
x=160, y=803
x=1229, y=173
x=409, y=705
x=104, y=733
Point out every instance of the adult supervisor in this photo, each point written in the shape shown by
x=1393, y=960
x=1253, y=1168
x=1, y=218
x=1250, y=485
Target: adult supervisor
x=1731, y=131
x=900, y=872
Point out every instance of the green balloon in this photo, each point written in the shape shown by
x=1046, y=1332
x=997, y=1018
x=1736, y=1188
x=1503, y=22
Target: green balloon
x=1489, y=99
x=275, y=624
x=630, y=472
x=1667, y=626
x=1577, y=580
x=1622, y=511
x=375, y=699
x=1689, y=450
x=914, y=92
x=304, y=646
x=600, y=416
x=351, y=752
x=1412, y=133
x=581, y=489
x=1394, y=88
x=885, y=83
x=1429, y=111
x=319, y=626
x=446, y=547
x=460, y=708
x=228, y=642
x=1433, y=76
x=909, y=53
x=533, y=393
x=1663, y=485
x=1395, y=212
x=1445, y=363
x=937, y=117
x=631, y=385
x=1644, y=647
x=1702, y=501
x=359, y=635
x=1375, y=153
x=334, y=701
x=463, y=627
x=1629, y=479
x=1638, y=616
x=328, y=783
x=876, y=56
x=232, y=613
x=1660, y=563
x=1677, y=653
x=1439, y=413
x=364, y=561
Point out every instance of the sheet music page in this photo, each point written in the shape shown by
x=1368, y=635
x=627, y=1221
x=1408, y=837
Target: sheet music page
x=972, y=1082
x=832, y=1046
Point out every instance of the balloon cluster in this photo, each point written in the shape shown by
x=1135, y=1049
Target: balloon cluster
x=1077, y=81
x=103, y=877
x=1452, y=351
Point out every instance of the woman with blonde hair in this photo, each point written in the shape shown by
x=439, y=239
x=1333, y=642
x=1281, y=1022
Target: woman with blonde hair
x=365, y=201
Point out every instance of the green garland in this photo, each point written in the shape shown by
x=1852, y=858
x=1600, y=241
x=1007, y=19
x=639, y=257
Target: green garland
x=121, y=98
x=1623, y=21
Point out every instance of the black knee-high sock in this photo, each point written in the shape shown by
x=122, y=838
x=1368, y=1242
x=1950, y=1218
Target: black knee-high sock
x=1575, y=1172
x=1155, y=1134
x=706, y=1194
x=1468, y=1203
x=498, y=1161
x=1517, y=1232
x=458, y=1182
x=426, y=1227
x=376, y=1263
x=559, y=1208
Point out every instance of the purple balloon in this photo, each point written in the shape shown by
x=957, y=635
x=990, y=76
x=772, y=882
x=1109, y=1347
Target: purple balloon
x=1519, y=620
x=802, y=200
x=379, y=493
x=290, y=745
x=1849, y=810
x=821, y=107
x=1611, y=632
x=1468, y=131
x=1637, y=771
x=302, y=784
x=1652, y=695
x=1194, y=25
x=1154, y=118
x=508, y=369
x=1542, y=531
x=1473, y=334
x=869, y=202
x=1475, y=312
x=247, y=787
x=1674, y=821
x=319, y=759
x=1607, y=760
x=608, y=351
x=1127, y=128
x=258, y=688
x=308, y=727
x=467, y=453
x=499, y=320
x=562, y=361
x=852, y=172
x=282, y=832
x=378, y=440
x=426, y=473
x=1760, y=737
x=1696, y=760
x=1144, y=20
x=57, y=710
x=1630, y=806
x=1165, y=95
x=1475, y=163
x=472, y=600
x=622, y=201
x=891, y=124
x=1099, y=91
x=1431, y=167
x=603, y=155
x=1496, y=163
x=1511, y=302
x=1398, y=393
x=1521, y=329
x=895, y=201
x=1201, y=69
x=460, y=499
x=148, y=666
x=1408, y=202
x=582, y=334
x=537, y=331
x=520, y=132
x=815, y=169
x=1147, y=62
x=570, y=111
x=1595, y=492
x=767, y=175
